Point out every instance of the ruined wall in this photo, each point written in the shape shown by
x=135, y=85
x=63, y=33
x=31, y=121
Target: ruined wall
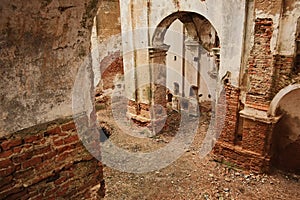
x=107, y=39
x=108, y=19
x=43, y=44
x=48, y=161
x=267, y=67
x=223, y=18
x=286, y=70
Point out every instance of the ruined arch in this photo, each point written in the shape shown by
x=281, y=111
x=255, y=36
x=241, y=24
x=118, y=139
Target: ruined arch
x=200, y=41
x=279, y=96
x=194, y=24
x=285, y=148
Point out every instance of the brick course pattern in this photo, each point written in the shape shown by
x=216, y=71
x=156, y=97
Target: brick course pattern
x=260, y=66
x=50, y=163
x=227, y=114
x=245, y=146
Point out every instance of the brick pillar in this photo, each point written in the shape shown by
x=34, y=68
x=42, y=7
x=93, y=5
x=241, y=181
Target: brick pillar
x=255, y=124
x=157, y=64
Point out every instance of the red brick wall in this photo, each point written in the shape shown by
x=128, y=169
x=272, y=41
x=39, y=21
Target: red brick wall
x=110, y=66
x=46, y=162
x=227, y=114
x=236, y=156
x=284, y=70
x=255, y=136
x=260, y=66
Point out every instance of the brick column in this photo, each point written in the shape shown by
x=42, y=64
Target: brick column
x=157, y=64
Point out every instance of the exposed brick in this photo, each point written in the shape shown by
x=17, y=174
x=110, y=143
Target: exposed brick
x=41, y=150
x=5, y=193
x=17, y=149
x=62, y=156
x=53, y=131
x=5, y=154
x=32, y=138
x=58, y=142
x=24, y=174
x=22, y=157
x=49, y=155
x=71, y=139
x=5, y=163
x=64, y=148
x=37, y=197
x=33, y=161
x=7, y=171
x=69, y=127
x=51, y=193
x=5, y=181
x=43, y=165
x=18, y=195
x=60, y=180
x=11, y=143
x=111, y=66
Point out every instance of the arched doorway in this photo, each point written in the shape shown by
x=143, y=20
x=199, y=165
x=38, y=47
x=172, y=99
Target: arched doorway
x=286, y=134
x=191, y=46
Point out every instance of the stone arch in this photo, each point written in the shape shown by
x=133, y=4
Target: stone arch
x=285, y=148
x=279, y=96
x=194, y=24
x=200, y=38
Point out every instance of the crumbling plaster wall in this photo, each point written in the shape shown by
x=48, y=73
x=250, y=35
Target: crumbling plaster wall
x=283, y=16
x=106, y=37
x=269, y=50
x=287, y=32
x=42, y=46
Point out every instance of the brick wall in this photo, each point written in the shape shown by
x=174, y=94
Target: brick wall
x=227, y=114
x=110, y=66
x=47, y=162
x=241, y=158
x=284, y=70
x=242, y=142
x=260, y=66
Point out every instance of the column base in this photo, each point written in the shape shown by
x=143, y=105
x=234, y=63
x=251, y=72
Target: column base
x=237, y=157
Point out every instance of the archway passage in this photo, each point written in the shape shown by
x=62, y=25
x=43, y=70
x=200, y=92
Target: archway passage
x=190, y=63
x=286, y=136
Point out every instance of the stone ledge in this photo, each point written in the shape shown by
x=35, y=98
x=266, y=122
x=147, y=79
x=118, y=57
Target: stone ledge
x=258, y=115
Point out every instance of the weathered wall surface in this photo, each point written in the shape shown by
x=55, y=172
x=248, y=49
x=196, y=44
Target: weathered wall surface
x=42, y=45
x=107, y=36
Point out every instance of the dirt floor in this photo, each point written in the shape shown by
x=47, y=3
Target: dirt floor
x=189, y=176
